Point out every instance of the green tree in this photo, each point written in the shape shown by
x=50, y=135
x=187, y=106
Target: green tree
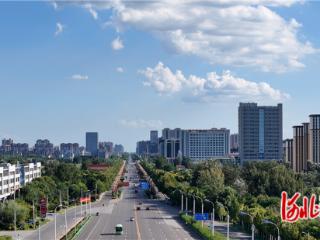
x=209, y=178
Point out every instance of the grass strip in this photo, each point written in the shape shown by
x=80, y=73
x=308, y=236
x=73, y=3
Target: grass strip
x=204, y=232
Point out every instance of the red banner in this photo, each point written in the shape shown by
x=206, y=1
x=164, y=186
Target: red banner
x=43, y=207
x=85, y=200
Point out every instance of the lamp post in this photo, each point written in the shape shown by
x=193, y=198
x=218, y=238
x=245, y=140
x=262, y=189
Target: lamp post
x=186, y=203
x=252, y=224
x=181, y=198
x=212, y=227
x=81, y=202
x=201, y=208
x=55, y=221
x=266, y=221
x=228, y=220
x=15, y=212
x=65, y=223
x=194, y=205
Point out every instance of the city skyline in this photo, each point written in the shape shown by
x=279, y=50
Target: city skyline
x=66, y=71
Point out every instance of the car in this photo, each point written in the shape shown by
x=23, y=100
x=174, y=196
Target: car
x=140, y=203
x=136, y=191
x=138, y=208
x=147, y=208
x=97, y=214
x=132, y=219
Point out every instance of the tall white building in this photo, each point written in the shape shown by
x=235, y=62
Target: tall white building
x=12, y=177
x=196, y=144
x=203, y=144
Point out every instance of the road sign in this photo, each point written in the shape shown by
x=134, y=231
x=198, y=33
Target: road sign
x=201, y=217
x=43, y=207
x=144, y=185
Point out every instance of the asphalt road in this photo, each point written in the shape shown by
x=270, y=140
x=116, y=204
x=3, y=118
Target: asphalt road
x=159, y=223
x=74, y=215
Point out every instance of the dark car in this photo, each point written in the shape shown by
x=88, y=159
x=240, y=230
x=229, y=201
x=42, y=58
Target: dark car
x=97, y=214
x=138, y=208
x=147, y=208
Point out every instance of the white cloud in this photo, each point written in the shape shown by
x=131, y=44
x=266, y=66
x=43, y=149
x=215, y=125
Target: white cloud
x=59, y=29
x=89, y=7
x=141, y=123
x=165, y=81
x=117, y=44
x=227, y=32
x=79, y=77
x=54, y=5
x=120, y=69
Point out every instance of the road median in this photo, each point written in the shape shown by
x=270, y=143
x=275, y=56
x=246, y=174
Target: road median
x=204, y=232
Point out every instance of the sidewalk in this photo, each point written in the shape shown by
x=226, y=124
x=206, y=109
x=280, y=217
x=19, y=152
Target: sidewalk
x=47, y=230
x=234, y=233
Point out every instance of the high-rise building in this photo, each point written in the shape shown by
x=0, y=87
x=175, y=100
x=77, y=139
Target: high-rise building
x=298, y=149
x=203, y=144
x=260, y=132
x=306, y=145
x=288, y=151
x=142, y=148
x=234, y=143
x=154, y=136
x=154, y=143
x=14, y=149
x=170, y=143
x=92, y=143
x=43, y=148
x=314, y=137
x=118, y=149
x=69, y=150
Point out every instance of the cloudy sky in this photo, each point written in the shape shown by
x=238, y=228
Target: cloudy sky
x=123, y=68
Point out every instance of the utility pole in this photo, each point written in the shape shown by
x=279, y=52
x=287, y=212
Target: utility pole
x=90, y=203
x=96, y=191
x=65, y=222
x=34, y=221
x=81, y=201
x=39, y=222
x=68, y=196
x=15, y=213
x=186, y=204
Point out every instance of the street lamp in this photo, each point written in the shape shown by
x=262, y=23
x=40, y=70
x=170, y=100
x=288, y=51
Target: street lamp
x=228, y=219
x=252, y=224
x=201, y=208
x=194, y=205
x=212, y=227
x=186, y=203
x=266, y=221
x=181, y=197
x=55, y=221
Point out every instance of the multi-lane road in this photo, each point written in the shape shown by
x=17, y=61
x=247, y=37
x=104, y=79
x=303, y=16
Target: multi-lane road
x=158, y=223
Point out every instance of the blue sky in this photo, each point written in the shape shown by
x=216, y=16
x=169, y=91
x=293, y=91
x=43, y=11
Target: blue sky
x=171, y=65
